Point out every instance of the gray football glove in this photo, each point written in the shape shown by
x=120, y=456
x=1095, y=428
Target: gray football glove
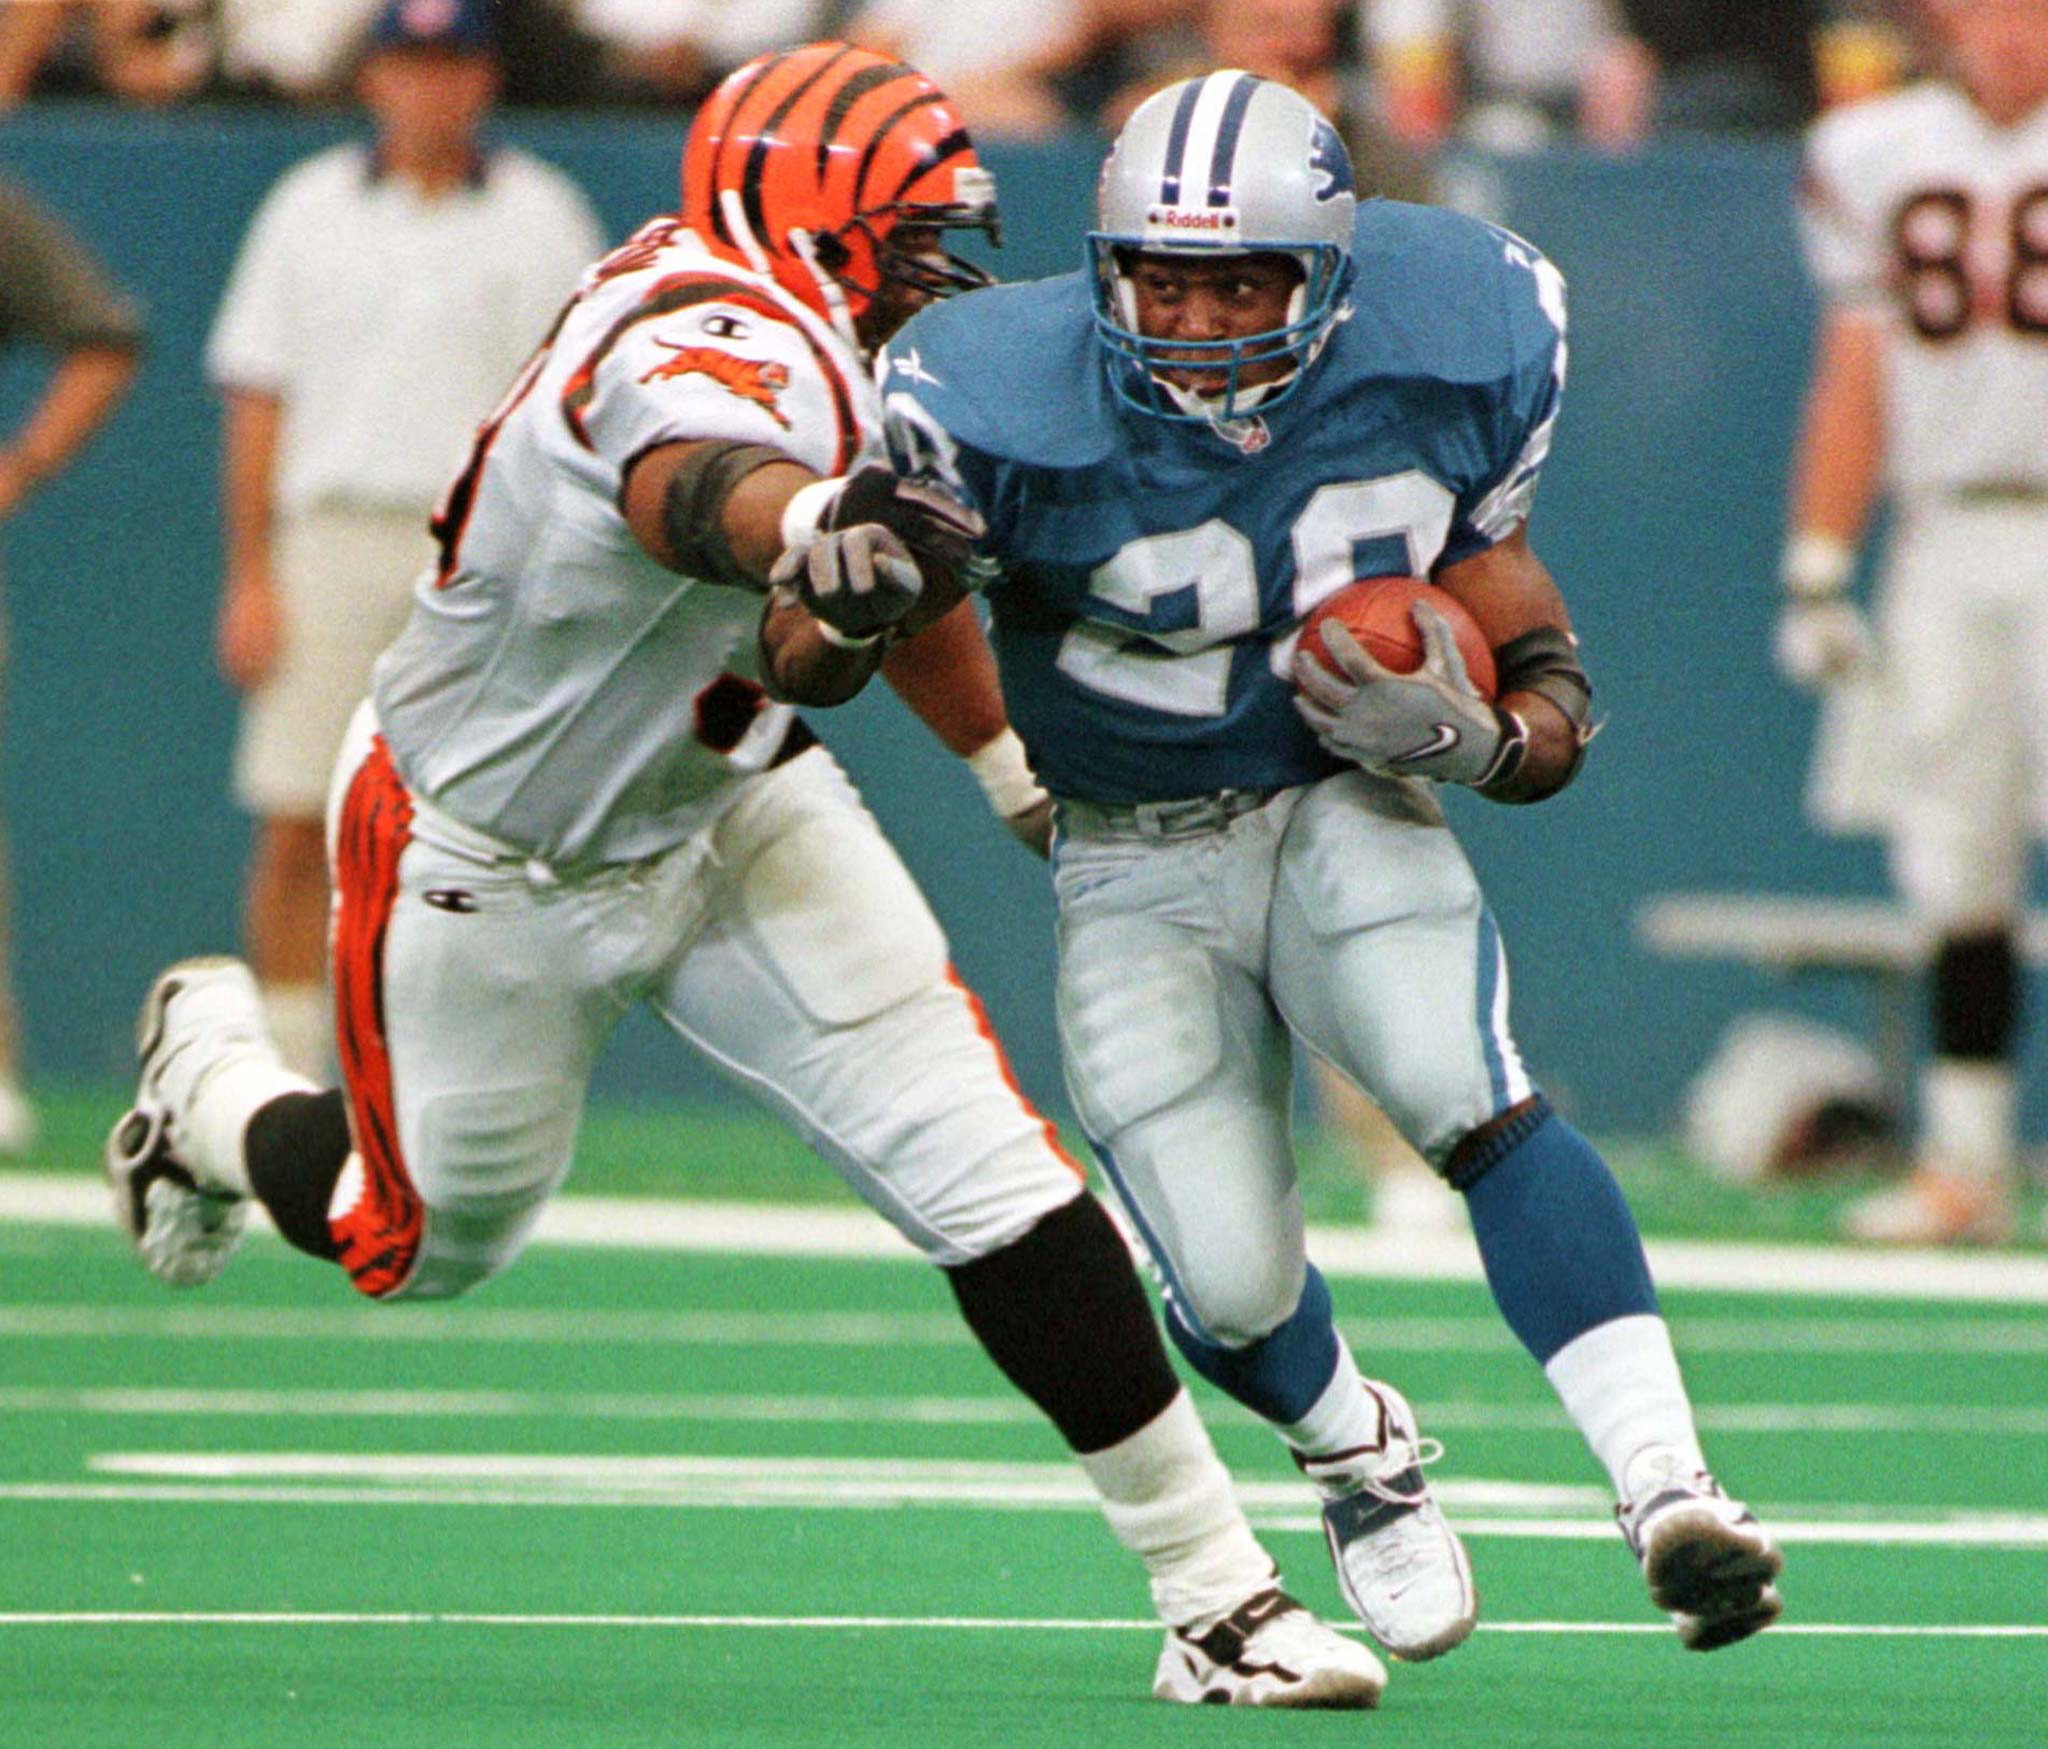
x=1430, y=723
x=857, y=582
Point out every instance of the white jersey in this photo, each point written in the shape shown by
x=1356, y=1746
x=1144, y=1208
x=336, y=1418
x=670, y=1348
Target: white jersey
x=1919, y=205
x=555, y=687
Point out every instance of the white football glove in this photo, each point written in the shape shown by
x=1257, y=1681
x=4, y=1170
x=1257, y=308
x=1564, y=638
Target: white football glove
x=857, y=582
x=1822, y=640
x=1431, y=723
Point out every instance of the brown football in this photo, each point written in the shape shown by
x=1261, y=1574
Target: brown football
x=1380, y=613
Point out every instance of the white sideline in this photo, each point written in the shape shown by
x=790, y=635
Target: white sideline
x=908, y=1624
x=782, y=1230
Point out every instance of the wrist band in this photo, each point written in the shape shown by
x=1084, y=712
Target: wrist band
x=806, y=509
x=1816, y=566
x=841, y=641
x=1005, y=775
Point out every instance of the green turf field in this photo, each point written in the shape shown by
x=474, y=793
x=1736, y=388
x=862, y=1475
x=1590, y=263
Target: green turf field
x=632, y=1498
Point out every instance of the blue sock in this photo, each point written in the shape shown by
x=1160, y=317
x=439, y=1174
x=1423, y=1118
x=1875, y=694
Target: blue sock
x=1281, y=1375
x=1561, y=1249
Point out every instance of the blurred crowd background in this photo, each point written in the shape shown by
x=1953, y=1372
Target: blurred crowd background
x=1505, y=74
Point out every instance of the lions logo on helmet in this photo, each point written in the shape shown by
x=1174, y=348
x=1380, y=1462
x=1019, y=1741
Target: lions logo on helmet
x=1232, y=164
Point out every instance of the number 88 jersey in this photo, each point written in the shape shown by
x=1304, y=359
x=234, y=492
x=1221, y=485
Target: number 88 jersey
x=1153, y=573
x=1918, y=205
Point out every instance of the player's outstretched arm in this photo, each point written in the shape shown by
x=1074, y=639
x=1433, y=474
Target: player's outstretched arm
x=849, y=563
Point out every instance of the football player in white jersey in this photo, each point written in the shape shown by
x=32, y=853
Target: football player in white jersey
x=573, y=790
x=1926, y=222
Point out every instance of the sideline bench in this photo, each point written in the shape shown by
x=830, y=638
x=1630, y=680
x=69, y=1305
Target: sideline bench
x=1782, y=932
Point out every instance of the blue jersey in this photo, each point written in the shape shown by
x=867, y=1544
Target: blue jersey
x=1154, y=575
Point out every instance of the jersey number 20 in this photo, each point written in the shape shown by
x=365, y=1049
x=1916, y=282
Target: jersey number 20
x=1165, y=663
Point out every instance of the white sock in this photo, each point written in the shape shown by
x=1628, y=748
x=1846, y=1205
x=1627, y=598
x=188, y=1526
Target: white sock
x=1345, y=1418
x=301, y=1025
x=1967, y=1117
x=1168, y=1498
x=1620, y=1384
x=210, y=1131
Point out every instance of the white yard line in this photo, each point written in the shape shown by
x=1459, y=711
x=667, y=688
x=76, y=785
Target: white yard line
x=758, y=1229
x=1800, y=1420
x=1481, y=1508
x=486, y=1322
x=90, y=1618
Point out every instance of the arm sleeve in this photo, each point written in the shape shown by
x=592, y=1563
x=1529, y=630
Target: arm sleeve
x=51, y=289
x=251, y=343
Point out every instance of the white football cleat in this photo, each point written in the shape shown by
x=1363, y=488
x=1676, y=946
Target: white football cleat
x=1399, y=1564
x=183, y=1211
x=1934, y=1207
x=1270, y=1652
x=185, y=1235
x=1705, y=1557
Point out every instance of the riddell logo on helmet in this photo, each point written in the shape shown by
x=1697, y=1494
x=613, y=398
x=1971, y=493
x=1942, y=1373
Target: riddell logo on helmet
x=759, y=380
x=1181, y=218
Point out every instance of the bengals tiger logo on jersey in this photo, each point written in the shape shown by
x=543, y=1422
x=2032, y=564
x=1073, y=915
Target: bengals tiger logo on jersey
x=758, y=380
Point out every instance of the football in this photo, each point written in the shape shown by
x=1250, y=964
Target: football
x=1379, y=613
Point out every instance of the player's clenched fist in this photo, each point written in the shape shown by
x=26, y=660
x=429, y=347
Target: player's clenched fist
x=935, y=529
x=857, y=582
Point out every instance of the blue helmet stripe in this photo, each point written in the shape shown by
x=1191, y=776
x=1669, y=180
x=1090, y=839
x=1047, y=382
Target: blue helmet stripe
x=1227, y=131
x=1177, y=141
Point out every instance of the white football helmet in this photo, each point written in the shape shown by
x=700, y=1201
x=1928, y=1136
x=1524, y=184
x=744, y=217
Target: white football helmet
x=1226, y=164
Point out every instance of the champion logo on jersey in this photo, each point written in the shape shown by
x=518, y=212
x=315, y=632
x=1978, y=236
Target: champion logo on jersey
x=758, y=380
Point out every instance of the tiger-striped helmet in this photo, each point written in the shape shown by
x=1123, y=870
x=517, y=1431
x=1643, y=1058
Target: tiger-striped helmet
x=806, y=161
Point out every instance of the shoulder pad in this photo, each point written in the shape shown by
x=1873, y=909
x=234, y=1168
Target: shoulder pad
x=1011, y=371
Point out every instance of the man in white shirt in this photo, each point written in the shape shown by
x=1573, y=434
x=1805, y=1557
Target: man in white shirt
x=384, y=295
x=1926, y=219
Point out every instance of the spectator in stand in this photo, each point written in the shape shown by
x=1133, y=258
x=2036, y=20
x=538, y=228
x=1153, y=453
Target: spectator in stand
x=1508, y=74
x=384, y=298
x=147, y=51
x=1738, y=66
x=292, y=48
x=675, y=51
x=1297, y=43
x=55, y=296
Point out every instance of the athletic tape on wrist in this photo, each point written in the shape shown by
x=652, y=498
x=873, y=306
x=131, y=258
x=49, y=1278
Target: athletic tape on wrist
x=1816, y=566
x=1005, y=776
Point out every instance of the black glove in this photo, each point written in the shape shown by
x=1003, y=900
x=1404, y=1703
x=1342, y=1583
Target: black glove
x=857, y=582
x=938, y=531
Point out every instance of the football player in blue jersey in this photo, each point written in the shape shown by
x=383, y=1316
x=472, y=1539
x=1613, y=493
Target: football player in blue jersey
x=1258, y=389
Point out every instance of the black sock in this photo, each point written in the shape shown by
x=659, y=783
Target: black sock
x=295, y=1148
x=1061, y=1312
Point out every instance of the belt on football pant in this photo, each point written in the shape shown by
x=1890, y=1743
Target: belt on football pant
x=1180, y=818
x=1997, y=492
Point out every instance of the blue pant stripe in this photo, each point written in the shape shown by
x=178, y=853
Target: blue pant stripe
x=1489, y=992
x=1183, y=1310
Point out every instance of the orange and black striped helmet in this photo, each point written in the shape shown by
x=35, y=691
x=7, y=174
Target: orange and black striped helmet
x=814, y=156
